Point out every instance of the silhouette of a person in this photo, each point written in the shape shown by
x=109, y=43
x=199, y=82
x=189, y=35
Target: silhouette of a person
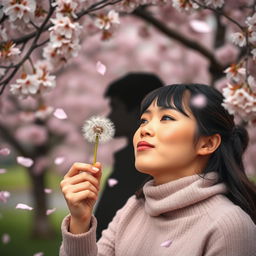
x=125, y=95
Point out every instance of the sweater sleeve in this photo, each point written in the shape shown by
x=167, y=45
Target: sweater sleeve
x=85, y=244
x=235, y=234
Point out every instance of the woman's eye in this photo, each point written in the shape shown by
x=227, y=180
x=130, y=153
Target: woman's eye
x=142, y=121
x=166, y=118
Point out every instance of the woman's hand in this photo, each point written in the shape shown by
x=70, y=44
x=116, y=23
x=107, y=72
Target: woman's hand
x=80, y=187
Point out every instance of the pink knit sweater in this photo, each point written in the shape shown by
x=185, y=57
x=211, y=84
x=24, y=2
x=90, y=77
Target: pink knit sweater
x=190, y=216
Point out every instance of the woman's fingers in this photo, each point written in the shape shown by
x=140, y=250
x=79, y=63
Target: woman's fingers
x=76, y=198
x=86, y=185
x=76, y=168
x=83, y=176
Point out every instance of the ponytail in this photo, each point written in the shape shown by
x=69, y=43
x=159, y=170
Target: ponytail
x=227, y=161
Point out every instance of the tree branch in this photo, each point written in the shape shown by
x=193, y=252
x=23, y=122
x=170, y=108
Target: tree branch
x=215, y=66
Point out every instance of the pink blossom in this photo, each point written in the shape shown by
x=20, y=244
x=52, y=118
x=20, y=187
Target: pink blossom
x=41, y=164
x=26, y=162
x=227, y=54
x=6, y=238
x=166, y=243
x=44, y=112
x=60, y=113
x=101, y=68
x=32, y=134
x=5, y=151
x=23, y=207
x=112, y=182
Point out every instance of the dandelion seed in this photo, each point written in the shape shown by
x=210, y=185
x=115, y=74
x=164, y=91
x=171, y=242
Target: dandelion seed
x=98, y=129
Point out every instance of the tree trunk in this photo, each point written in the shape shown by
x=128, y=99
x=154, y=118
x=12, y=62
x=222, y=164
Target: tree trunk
x=41, y=227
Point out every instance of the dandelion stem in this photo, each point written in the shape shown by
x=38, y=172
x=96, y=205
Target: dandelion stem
x=95, y=148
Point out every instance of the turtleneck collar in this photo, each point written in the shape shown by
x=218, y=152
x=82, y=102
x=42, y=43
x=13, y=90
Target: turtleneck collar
x=180, y=193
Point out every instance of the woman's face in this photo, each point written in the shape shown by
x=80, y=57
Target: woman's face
x=171, y=152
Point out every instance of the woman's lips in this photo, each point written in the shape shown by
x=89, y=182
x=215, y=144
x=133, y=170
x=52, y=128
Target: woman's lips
x=143, y=145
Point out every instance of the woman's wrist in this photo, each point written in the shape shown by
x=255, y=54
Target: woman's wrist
x=79, y=226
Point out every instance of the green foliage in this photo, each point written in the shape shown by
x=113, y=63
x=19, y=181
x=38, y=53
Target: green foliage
x=17, y=224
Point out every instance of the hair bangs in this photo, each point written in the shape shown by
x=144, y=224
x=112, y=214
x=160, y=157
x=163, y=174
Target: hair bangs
x=171, y=97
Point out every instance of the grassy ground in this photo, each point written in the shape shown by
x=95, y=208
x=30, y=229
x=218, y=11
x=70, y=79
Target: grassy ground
x=18, y=223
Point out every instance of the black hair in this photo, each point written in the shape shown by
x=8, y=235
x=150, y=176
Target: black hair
x=213, y=118
x=132, y=88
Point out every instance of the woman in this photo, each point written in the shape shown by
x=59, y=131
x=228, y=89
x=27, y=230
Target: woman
x=198, y=201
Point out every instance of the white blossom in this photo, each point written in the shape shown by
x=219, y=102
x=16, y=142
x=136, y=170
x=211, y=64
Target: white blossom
x=236, y=73
x=22, y=9
x=105, y=21
x=25, y=86
x=240, y=102
x=215, y=3
x=184, y=5
x=253, y=52
x=252, y=83
x=238, y=39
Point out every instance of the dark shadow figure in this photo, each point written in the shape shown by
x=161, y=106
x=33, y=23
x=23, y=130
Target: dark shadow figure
x=125, y=95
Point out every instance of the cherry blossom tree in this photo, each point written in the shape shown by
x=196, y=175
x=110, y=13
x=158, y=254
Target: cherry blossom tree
x=71, y=50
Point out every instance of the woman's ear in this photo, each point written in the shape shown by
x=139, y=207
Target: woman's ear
x=208, y=144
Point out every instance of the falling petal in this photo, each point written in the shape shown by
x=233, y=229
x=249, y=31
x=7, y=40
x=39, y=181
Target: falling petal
x=38, y=254
x=5, y=151
x=112, y=182
x=27, y=162
x=6, y=238
x=4, y=195
x=200, y=26
x=47, y=191
x=59, y=160
x=24, y=207
x=101, y=68
x=60, y=113
x=50, y=211
x=166, y=243
x=2, y=171
x=199, y=101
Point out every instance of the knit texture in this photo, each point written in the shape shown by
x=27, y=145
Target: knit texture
x=190, y=216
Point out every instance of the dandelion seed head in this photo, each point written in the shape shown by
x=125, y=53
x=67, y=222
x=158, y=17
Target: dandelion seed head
x=98, y=126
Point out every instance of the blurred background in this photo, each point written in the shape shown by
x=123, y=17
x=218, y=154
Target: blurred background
x=30, y=128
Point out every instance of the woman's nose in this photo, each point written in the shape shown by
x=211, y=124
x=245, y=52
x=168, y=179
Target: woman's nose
x=146, y=130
